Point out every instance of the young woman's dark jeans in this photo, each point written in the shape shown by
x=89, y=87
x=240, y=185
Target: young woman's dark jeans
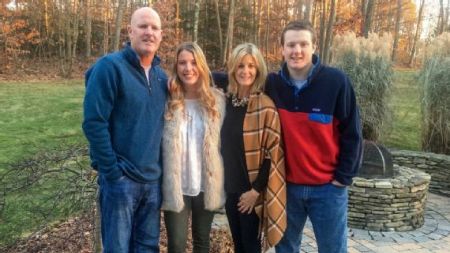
x=177, y=226
x=243, y=226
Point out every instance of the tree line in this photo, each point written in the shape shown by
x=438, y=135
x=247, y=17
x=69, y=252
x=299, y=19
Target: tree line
x=81, y=30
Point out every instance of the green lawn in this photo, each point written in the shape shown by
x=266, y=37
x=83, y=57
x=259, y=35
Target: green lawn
x=40, y=116
x=405, y=107
x=34, y=117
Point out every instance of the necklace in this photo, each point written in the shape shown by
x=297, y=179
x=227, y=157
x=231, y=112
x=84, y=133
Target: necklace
x=239, y=102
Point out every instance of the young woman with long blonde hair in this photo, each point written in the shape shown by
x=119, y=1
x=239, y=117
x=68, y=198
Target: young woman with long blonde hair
x=193, y=177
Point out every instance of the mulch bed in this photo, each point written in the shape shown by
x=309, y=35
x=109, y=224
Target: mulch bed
x=76, y=235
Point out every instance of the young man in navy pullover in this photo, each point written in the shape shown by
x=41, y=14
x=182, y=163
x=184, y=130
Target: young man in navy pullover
x=123, y=120
x=322, y=140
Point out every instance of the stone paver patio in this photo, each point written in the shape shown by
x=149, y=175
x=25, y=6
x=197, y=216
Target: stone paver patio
x=432, y=237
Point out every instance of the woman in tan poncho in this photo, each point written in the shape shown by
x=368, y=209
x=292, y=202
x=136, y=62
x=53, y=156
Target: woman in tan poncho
x=252, y=154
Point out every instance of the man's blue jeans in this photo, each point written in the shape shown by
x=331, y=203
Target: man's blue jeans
x=130, y=215
x=326, y=207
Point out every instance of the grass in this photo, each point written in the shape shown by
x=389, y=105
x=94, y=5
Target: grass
x=404, y=132
x=34, y=117
x=38, y=115
x=41, y=116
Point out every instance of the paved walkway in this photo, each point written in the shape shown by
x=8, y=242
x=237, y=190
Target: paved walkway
x=432, y=237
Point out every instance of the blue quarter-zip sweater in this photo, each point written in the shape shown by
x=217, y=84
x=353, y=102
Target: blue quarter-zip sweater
x=123, y=116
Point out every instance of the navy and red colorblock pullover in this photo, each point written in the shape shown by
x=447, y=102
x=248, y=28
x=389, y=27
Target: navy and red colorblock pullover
x=320, y=125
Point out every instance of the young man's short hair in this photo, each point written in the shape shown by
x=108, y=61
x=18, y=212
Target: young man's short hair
x=297, y=26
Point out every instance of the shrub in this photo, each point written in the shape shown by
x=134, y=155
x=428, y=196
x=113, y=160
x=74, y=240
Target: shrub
x=367, y=63
x=435, y=80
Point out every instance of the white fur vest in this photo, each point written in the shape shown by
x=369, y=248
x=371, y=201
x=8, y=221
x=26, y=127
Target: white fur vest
x=214, y=193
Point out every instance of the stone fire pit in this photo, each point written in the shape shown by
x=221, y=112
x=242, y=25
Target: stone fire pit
x=389, y=204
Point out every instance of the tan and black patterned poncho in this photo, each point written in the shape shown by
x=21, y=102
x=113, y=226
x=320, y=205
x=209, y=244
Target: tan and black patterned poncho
x=262, y=139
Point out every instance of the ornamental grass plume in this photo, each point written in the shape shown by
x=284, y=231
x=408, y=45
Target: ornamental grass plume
x=368, y=64
x=434, y=78
x=437, y=46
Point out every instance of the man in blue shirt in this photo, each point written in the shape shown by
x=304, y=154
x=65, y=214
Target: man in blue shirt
x=124, y=104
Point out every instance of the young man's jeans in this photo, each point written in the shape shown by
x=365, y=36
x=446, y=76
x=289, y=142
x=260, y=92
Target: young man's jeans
x=177, y=226
x=326, y=207
x=130, y=215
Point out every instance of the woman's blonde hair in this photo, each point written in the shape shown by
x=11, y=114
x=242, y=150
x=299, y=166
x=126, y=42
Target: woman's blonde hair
x=176, y=89
x=236, y=57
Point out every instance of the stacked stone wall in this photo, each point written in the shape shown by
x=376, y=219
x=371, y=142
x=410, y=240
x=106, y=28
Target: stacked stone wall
x=438, y=166
x=395, y=204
